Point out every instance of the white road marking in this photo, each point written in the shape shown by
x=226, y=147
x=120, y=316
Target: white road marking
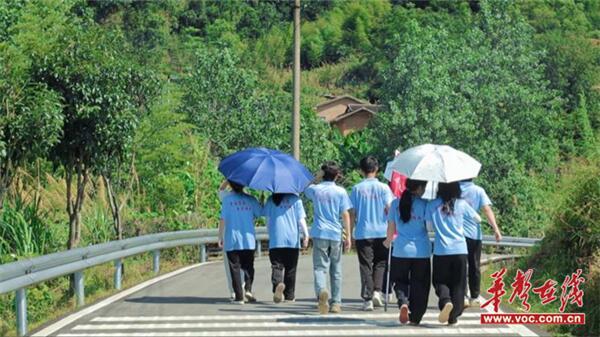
x=262, y=317
x=283, y=333
x=51, y=329
x=254, y=325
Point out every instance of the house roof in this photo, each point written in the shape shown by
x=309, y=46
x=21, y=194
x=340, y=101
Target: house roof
x=338, y=98
x=372, y=107
x=349, y=113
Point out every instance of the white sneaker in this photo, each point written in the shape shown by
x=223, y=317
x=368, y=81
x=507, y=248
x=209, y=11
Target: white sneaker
x=367, y=306
x=237, y=302
x=377, y=299
x=467, y=303
x=278, y=295
x=474, y=302
x=445, y=313
x=249, y=297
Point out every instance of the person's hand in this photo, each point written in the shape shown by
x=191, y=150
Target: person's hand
x=220, y=243
x=348, y=244
x=305, y=242
x=387, y=243
x=498, y=236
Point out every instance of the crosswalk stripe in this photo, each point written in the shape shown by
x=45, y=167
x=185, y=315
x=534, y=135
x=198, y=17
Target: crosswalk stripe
x=283, y=333
x=253, y=325
x=261, y=317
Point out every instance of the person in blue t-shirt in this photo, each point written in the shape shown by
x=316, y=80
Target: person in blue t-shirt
x=330, y=203
x=371, y=200
x=285, y=222
x=410, y=270
x=479, y=200
x=236, y=236
x=446, y=215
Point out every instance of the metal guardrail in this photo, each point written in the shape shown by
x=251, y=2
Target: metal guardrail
x=17, y=276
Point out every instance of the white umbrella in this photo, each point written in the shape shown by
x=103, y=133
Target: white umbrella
x=439, y=163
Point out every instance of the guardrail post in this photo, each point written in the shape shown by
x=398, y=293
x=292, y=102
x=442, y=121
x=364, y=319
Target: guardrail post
x=156, y=261
x=258, y=248
x=21, y=304
x=118, y=273
x=202, y=253
x=79, y=288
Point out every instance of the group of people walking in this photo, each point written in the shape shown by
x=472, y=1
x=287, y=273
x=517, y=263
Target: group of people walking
x=380, y=222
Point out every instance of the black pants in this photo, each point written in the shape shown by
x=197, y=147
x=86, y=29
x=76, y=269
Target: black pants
x=372, y=258
x=474, y=272
x=449, y=276
x=411, y=278
x=283, y=265
x=241, y=260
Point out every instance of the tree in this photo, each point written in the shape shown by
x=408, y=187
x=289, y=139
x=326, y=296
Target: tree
x=482, y=91
x=102, y=95
x=30, y=113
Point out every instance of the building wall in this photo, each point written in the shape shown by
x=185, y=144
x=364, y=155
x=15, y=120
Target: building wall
x=332, y=110
x=355, y=122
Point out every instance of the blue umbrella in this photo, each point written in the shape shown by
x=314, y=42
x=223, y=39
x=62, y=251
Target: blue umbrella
x=266, y=170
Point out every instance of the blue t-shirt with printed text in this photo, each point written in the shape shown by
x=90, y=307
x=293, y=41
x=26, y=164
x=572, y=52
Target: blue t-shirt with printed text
x=283, y=221
x=477, y=198
x=329, y=202
x=238, y=211
x=369, y=199
x=449, y=228
x=412, y=240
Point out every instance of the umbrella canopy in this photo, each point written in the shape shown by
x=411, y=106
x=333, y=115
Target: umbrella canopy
x=266, y=170
x=440, y=163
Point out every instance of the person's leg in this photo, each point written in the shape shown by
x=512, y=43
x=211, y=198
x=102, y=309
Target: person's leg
x=236, y=280
x=441, y=274
x=420, y=280
x=248, y=268
x=380, y=257
x=457, y=286
x=290, y=263
x=320, y=264
x=276, y=255
x=335, y=271
x=364, y=250
x=474, y=272
x=400, y=278
x=228, y=274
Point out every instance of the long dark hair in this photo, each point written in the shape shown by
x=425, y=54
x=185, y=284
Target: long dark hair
x=237, y=188
x=405, y=204
x=278, y=198
x=448, y=192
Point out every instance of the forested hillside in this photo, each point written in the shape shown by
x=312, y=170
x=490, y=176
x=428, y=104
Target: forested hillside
x=115, y=113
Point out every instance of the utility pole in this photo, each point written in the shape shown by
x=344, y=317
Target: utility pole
x=296, y=111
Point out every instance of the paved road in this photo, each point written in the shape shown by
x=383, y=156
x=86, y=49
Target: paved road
x=196, y=303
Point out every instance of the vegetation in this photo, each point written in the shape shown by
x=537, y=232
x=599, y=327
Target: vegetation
x=119, y=111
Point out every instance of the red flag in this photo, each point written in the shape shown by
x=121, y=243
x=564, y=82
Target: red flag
x=398, y=184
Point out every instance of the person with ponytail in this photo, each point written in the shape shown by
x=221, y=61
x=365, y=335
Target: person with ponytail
x=236, y=235
x=446, y=214
x=285, y=222
x=410, y=271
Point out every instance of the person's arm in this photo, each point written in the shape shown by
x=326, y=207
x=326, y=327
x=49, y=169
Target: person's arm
x=221, y=230
x=222, y=193
x=489, y=214
x=304, y=229
x=352, y=214
x=391, y=230
x=348, y=239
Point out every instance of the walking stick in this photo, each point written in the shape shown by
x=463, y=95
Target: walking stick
x=387, y=285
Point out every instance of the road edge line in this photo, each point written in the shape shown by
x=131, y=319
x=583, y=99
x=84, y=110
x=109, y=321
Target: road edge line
x=52, y=328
